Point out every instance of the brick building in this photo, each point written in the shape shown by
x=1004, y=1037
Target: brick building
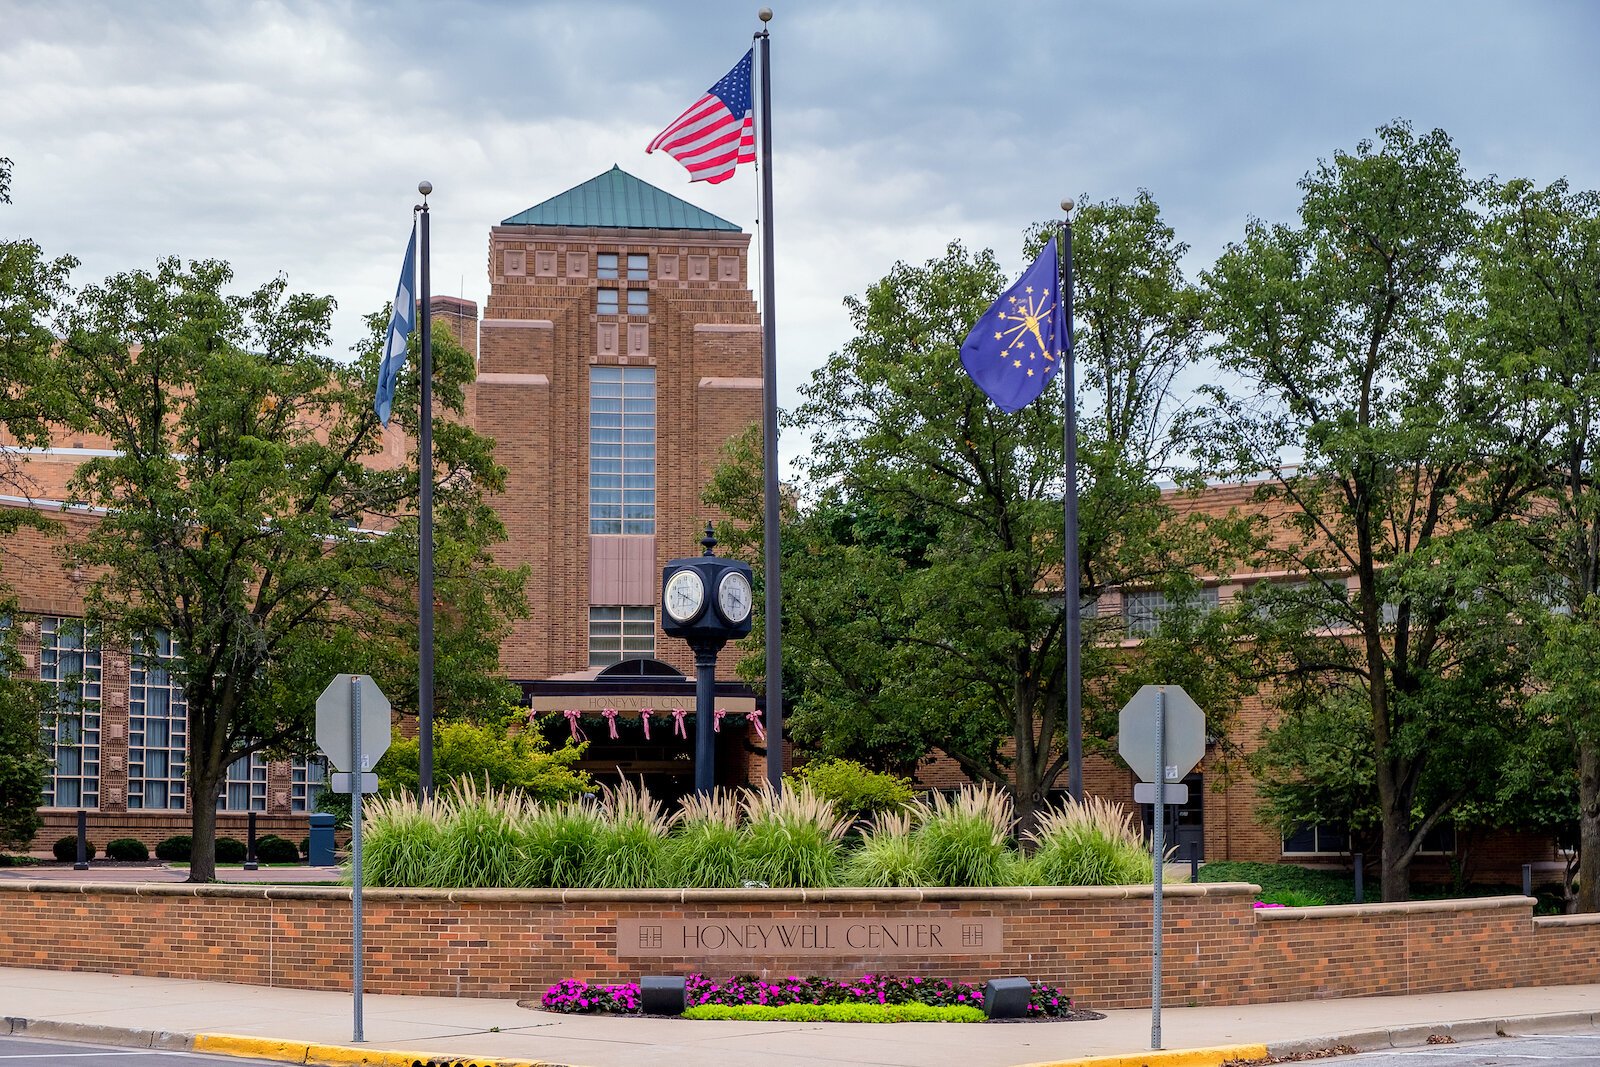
x=619, y=351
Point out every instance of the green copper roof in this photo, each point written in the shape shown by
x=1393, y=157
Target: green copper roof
x=616, y=199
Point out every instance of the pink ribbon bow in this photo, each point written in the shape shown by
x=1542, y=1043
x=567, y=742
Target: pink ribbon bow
x=644, y=720
x=572, y=722
x=677, y=723
x=716, y=720
x=611, y=720
x=755, y=720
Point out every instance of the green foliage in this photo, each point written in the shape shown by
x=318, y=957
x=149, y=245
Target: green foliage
x=559, y=845
x=837, y=1013
x=270, y=848
x=857, y=792
x=1093, y=842
x=965, y=840
x=480, y=839
x=401, y=840
x=502, y=753
x=237, y=503
x=229, y=850
x=888, y=854
x=175, y=849
x=66, y=849
x=791, y=840
x=630, y=840
x=1292, y=898
x=703, y=850
x=24, y=761
x=1275, y=879
x=126, y=849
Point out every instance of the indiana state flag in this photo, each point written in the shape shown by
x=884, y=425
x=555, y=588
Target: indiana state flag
x=1021, y=341
x=400, y=326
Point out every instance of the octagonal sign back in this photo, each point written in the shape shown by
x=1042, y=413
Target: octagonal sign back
x=1186, y=732
x=333, y=722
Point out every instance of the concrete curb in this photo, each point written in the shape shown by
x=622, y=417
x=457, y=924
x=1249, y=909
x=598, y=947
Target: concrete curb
x=1467, y=1030
x=266, y=1048
x=1178, y=1057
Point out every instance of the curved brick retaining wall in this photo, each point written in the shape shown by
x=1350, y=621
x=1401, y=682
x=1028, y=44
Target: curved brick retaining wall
x=1094, y=943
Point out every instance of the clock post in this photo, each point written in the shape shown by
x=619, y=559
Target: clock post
x=706, y=601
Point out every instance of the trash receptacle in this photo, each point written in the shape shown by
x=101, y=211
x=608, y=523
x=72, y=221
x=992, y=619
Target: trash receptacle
x=321, y=853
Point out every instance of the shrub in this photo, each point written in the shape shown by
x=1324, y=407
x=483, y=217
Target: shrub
x=575, y=996
x=1292, y=898
x=66, y=849
x=559, y=844
x=274, y=849
x=492, y=755
x=703, y=850
x=174, y=849
x=628, y=842
x=965, y=839
x=857, y=792
x=127, y=849
x=1332, y=887
x=889, y=854
x=399, y=840
x=1093, y=842
x=791, y=839
x=230, y=850
x=479, y=843
x=838, y=1013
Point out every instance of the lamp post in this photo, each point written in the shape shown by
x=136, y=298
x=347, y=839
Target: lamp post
x=705, y=600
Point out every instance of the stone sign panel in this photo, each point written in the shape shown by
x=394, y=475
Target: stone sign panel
x=891, y=935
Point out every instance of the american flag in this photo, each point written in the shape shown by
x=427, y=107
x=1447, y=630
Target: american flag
x=718, y=132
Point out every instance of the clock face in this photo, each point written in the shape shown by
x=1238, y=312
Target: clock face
x=684, y=596
x=733, y=597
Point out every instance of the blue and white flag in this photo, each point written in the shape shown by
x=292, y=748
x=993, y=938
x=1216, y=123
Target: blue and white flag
x=401, y=323
x=1020, y=342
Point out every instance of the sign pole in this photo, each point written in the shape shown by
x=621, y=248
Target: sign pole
x=360, y=766
x=1160, y=851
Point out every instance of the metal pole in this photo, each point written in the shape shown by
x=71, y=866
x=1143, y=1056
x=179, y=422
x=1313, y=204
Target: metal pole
x=1069, y=559
x=769, y=433
x=705, y=695
x=1527, y=879
x=1360, y=872
x=1160, y=858
x=358, y=764
x=425, y=565
x=250, y=861
x=82, y=863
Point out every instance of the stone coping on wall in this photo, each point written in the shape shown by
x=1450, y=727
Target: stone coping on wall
x=1557, y=921
x=1403, y=907
x=1206, y=890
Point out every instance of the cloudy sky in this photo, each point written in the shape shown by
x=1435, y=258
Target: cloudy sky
x=289, y=137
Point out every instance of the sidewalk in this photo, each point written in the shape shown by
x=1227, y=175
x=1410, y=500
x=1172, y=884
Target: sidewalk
x=281, y=1023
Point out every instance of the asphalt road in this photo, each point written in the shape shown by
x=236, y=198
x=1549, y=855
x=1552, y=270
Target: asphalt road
x=31, y=1052
x=1552, y=1049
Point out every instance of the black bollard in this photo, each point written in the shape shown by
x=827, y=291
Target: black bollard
x=83, y=842
x=1527, y=879
x=1361, y=889
x=250, y=863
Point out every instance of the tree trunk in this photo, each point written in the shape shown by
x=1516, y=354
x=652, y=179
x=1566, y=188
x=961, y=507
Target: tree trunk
x=203, y=832
x=1396, y=862
x=1589, y=826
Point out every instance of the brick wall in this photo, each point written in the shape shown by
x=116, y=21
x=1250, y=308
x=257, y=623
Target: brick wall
x=1094, y=943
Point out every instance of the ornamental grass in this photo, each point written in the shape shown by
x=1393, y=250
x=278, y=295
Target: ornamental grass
x=704, y=848
x=560, y=845
x=791, y=839
x=888, y=854
x=480, y=838
x=399, y=838
x=965, y=839
x=1090, y=842
x=629, y=839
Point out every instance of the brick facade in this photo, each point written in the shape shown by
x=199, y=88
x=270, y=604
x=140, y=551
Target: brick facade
x=1093, y=943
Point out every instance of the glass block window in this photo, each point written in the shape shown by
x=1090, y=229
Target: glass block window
x=246, y=785
x=69, y=660
x=306, y=778
x=638, y=266
x=638, y=301
x=158, y=723
x=605, y=302
x=606, y=265
x=1143, y=611
x=622, y=450
x=619, y=633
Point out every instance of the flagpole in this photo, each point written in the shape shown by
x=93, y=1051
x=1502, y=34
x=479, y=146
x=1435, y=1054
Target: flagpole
x=769, y=431
x=425, y=534
x=1070, y=555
